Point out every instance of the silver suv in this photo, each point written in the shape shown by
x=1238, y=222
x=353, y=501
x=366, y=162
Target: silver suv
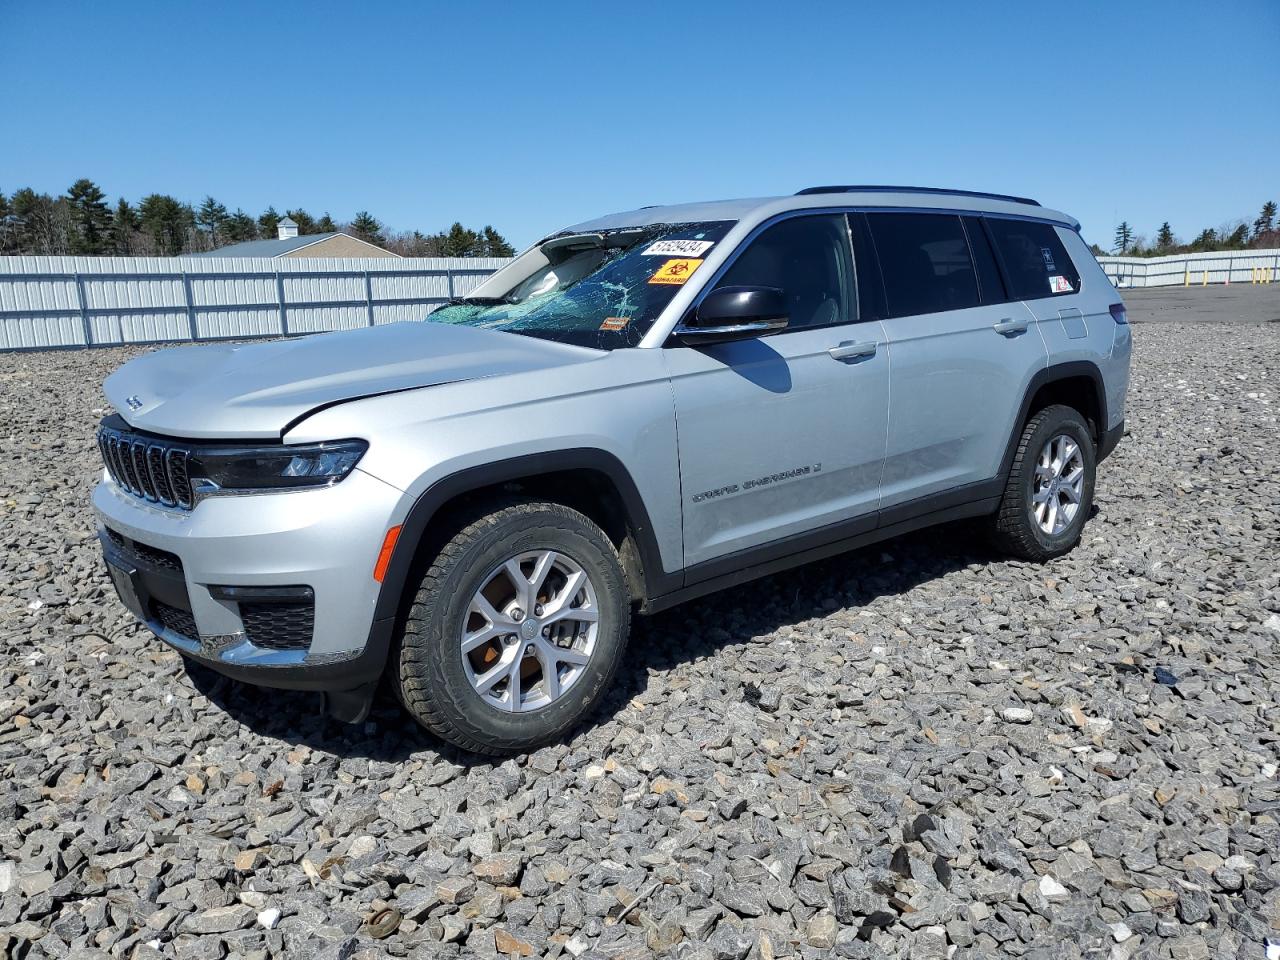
x=636, y=411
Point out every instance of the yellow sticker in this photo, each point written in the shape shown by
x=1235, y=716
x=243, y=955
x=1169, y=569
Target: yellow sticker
x=675, y=271
x=615, y=323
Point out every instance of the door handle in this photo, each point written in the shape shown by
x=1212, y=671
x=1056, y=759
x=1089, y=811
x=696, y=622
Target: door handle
x=1008, y=327
x=850, y=352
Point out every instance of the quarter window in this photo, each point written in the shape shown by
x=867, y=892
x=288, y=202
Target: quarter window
x=1035, y=261
x=808, y=258
x=925, y=262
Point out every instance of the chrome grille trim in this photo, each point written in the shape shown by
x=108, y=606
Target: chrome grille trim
x=148, y=468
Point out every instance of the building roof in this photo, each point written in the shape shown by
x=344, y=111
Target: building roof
x=276, y=248
x=289, y=222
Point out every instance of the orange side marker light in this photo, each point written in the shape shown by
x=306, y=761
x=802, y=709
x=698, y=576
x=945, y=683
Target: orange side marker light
x=384, y=555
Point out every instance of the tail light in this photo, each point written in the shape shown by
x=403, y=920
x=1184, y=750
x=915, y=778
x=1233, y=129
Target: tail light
x=1118, y=313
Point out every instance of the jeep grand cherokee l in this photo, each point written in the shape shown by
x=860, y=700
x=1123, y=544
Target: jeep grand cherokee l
x=636, y=411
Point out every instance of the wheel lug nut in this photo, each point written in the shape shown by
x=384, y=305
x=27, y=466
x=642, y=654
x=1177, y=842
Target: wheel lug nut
x=546, y=631
x=537, y=611
x=517, y=614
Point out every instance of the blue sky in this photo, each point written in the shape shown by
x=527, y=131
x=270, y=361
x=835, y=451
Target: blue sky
x=531, y=116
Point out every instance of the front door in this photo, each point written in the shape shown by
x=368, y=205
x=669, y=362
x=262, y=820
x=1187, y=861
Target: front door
x=783, y=436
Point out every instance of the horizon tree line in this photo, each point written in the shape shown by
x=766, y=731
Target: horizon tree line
x=80, y=222
x=1263, y=233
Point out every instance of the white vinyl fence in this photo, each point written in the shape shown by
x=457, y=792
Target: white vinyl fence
x=1194, y=269
x=107, y=301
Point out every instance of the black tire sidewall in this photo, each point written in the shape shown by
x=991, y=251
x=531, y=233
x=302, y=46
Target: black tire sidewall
x=1060, y=421
x=444, y=615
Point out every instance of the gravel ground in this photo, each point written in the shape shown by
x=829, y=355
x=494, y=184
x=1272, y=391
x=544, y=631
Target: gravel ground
x=919, y=750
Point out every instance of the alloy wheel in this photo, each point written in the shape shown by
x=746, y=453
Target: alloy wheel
x=529, y=631
x=1058, y=484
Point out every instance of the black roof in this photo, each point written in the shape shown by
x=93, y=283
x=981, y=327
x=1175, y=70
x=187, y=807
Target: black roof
x=844, y=188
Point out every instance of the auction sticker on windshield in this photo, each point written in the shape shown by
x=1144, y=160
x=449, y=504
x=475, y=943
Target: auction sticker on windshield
x=678, y=248
x=675, y=271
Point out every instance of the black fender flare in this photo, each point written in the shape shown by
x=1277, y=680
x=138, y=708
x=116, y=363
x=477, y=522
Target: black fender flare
x=429, y=503
x=1059, y=371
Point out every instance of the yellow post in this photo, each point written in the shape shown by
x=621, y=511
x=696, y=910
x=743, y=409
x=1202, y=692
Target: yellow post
x=1204, y=279
x=1186, y=274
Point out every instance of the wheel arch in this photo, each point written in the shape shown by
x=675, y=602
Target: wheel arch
x=1076, y=383
x=604, y=490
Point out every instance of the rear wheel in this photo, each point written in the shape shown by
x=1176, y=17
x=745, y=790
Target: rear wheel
x=1049, y=491
x=516, y=629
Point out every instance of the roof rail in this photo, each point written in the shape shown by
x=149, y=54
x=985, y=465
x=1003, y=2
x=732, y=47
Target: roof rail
x=844, y=188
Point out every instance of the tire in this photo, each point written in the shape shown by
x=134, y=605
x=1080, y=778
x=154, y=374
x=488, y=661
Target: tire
x=1020, y=524
x=437, y=679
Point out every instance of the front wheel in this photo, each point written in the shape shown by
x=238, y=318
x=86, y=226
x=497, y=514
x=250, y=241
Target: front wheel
x=516, y=630
x=1049, y=491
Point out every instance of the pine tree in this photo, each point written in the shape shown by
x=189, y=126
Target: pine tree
x=239, y=227
x=1164, y=238
x=124, y=227
x=166, y=222
x=306, y=223
x=461, y=242
x=1266, y=221
x=269, y=224
x=1124, y=237
x=211, y=219
x=1206, y=241
x=367, y=228
x=1237, y=238
x=495, y=244
x=326, y=225
x=90, y=217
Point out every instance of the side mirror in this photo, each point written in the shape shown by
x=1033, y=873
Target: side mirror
x=734, y=313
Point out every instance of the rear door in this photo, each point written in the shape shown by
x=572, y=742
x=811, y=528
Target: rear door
x=961, y=354
x=1076, y=324
x=783, y=436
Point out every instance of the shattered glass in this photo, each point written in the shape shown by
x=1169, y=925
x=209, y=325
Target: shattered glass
x=600, y=292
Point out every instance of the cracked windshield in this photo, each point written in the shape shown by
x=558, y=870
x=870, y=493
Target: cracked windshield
x=601, y=290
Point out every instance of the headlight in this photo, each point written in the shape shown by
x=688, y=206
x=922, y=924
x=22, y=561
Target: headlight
x=271, y=468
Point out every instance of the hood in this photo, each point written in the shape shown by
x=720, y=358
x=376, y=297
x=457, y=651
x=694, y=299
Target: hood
x=255, y=391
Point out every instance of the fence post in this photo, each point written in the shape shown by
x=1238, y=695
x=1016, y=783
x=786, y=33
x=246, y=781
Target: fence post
x=284, y=320
x=191, y=307
x=84, y=312
x=1230, y=262
x=1186, y=272
x=368, y=296
x=449, y=276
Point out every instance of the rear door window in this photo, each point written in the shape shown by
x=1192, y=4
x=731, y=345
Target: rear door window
x=925, y=262
x=1035, y=261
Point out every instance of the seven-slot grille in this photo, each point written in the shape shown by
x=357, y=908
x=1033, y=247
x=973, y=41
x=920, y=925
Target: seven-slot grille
x=147, y=467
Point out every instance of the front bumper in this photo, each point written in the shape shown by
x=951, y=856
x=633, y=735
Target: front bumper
x=180, y=562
